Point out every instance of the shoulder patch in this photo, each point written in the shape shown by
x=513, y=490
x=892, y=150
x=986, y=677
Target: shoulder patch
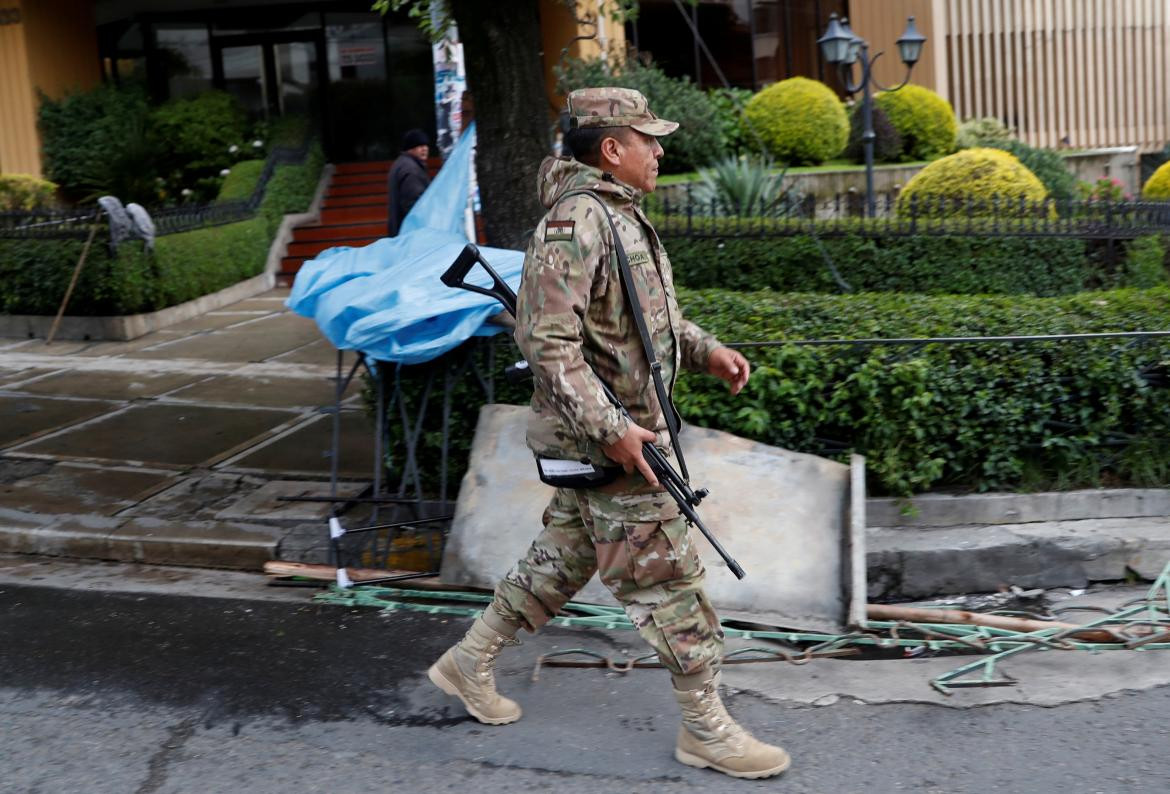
x=639, y=258
x=558, y=231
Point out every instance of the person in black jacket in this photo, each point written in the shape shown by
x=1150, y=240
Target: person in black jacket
x=408, y=178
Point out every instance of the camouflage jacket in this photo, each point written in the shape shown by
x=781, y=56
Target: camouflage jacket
x=573, y=321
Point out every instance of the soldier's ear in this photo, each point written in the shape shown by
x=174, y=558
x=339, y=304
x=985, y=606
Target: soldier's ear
x=610, y=151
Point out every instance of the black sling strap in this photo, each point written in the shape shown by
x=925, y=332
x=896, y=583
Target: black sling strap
x=664, y=401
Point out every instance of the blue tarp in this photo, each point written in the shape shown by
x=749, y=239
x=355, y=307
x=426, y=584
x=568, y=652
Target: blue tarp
x=386, y=300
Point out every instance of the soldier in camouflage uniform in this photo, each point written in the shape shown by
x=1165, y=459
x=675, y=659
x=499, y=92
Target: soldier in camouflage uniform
x=573, y=327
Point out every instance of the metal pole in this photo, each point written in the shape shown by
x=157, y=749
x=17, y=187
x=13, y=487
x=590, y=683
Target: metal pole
x=867, y=136
x=379, y=430
x=335, y=446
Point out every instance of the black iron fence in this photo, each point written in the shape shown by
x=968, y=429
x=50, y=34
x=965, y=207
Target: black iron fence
x=76, y=223
x=687, y=212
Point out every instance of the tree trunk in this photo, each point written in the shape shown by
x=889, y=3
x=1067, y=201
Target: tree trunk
x=501, y=49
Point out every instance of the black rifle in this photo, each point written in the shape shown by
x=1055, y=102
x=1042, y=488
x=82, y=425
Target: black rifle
x=675, y=484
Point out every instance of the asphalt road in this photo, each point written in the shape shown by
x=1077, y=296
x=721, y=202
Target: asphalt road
x=178, y=691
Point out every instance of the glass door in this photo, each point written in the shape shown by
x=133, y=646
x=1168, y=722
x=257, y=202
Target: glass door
x=297, y=85
x=272, y=74
x=245, y=76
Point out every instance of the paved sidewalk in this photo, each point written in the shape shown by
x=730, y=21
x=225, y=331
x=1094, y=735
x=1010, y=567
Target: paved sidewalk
x=172, y=448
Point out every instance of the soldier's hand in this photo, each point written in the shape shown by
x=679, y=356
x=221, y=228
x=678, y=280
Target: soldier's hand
x=731, y=366
x=628, y=452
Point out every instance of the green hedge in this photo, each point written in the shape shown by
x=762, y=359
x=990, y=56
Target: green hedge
x=960, y=265
x=1053, y=415
x=1026, y=417
x=241, y=181
x=35, y=273
x=291, y=188
x=1041, y=266
x=87, y=136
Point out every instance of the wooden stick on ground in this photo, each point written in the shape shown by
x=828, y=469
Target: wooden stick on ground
x=327, y=573
x=72, y=283
x=1025, y=625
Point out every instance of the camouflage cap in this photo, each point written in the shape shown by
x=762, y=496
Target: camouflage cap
x=615, y=107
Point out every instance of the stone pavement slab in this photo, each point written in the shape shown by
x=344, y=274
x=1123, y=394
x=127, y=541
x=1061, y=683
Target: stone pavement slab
x=110, y=385
x=261, y=391
x=236, y=344
x=24, y=417
x=20, y=375
x=177, y=435
x=214, y=321
x=72, y=488
x=320, y=353
x=306, y=450
x=266, y=503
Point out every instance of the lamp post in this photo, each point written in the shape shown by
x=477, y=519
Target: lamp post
x=843, y=48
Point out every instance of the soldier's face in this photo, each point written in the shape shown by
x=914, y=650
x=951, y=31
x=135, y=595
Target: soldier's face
x=637, y=160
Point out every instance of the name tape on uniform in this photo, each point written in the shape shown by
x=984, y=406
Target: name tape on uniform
x=554, y=467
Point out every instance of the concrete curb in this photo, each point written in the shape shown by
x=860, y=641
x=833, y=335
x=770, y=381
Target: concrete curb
x=202, y=544
x=944, y=510
x=902, y=562
x=916, y=563
x=123, y=328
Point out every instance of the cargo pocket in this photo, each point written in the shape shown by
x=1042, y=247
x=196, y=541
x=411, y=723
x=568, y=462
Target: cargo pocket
x=691, y=634
x=653, y=554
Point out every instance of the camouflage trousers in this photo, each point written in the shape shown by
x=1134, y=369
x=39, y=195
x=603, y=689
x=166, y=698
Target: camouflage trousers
x=635, y=539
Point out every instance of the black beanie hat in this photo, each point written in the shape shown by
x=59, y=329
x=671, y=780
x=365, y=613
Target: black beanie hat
x=413, y=138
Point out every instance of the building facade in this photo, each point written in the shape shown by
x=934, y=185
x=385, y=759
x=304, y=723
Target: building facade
x=1063, y=73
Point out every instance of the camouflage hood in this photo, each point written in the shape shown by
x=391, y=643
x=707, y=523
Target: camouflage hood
x=559, y=175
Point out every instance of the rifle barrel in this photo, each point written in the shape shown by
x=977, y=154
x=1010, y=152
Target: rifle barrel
x=693, y=518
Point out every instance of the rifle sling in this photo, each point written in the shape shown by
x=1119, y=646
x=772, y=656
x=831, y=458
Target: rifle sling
x=668, y=410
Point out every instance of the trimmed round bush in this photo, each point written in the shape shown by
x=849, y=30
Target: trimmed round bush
x=1047, y=165
x=887, y=143
x=25, y=192
x=1158, y=185
x=801, y=121
x=924, y=119
x=945, y=186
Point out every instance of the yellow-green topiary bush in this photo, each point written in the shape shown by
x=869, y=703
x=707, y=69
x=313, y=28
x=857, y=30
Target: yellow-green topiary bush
x=924, y=119
x=992, y=177
x=801, y=121
x=1158, y=185
x=25, y=192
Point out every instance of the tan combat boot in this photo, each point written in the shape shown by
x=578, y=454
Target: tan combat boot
x=465, y=670
x=709, y=737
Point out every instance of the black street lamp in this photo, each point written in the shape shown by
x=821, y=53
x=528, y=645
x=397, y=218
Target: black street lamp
x=843, y=48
